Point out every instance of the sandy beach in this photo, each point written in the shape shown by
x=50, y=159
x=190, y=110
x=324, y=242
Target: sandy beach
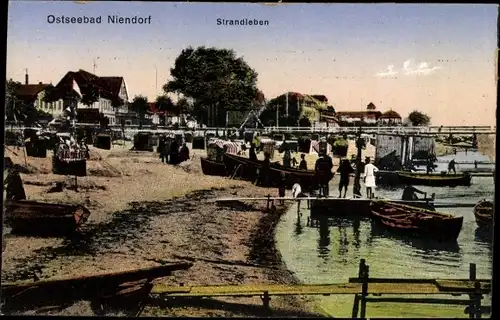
x=145, y=213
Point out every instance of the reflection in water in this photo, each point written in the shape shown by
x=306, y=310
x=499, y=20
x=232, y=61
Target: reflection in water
x=356, y=233
x=484, y=236
x=423, y=244
x=389, y=255
x=298, y=226
x=324, y=238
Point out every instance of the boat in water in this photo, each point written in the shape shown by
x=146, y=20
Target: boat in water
x=434, y=180
x=483, y=212
x=35, y=217
x=418, y=222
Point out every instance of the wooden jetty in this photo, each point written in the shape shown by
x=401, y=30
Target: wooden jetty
x=361, y=287
x=332, y=206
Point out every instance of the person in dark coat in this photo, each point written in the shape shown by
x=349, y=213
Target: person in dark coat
x=345, y=169
x=162, y=145
x=410, y=193
x=252, y=155
x=324, y=174
x=451, y=167
x=303, y=162
x=282, y=187
x=174, y=152
x=264, y=170
x=184, y=153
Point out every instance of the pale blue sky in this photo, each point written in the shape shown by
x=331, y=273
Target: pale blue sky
x=330, y=49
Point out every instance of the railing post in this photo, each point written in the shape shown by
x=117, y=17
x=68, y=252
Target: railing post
x=477, y=299
x=472, y=305
x=364, y=291
x=266, y=299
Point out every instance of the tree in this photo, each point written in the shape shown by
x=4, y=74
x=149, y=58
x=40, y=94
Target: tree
x=117, y=102
x=215, y=79
x=141, y=106
x=183, y=107
x=14, y=107
x=165, y=104
x=51, y=94
x=17, y=109
x=90, y=95
x=417, y=119
x=304, y=122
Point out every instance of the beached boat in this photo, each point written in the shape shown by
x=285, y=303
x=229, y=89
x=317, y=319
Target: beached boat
x=213, y=168
x=484, y=211
x=247, y=169
x=100, y=286
x=103, y=141
x=44, y=218
x=434, y=180
x=416, y=221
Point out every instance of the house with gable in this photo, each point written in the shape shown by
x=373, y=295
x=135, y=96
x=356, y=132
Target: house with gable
x=34, y=94
x=108, y=90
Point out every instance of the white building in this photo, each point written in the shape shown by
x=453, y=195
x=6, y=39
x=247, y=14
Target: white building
x=109, y=89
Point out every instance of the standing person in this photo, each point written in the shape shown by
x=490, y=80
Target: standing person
x=323, y=170
x=282, y=187
x=451, y=166
x=174, y=152
x=162, y=145
x=252, y=155
x=184, y=153
x=303, y=162
x=369, y=178
x=264, y=170
x=345, y=169
x=287, y=158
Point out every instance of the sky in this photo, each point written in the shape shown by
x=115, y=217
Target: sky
x=438, y=59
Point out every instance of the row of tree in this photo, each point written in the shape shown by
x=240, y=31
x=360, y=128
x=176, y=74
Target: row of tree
x=210, y=83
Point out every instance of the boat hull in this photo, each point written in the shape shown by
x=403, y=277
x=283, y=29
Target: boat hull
x=44, y=218
x=434, y=180
x=213, y=168
x=248, y=170
x=483, y=212
x=417, y=222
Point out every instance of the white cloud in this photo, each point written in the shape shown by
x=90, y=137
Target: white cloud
x=422, y=68
x=389, y=72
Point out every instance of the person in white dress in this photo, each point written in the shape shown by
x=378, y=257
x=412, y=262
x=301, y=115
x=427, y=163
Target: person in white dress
x=369, y=178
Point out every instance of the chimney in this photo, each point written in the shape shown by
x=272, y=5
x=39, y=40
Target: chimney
x=26, y=77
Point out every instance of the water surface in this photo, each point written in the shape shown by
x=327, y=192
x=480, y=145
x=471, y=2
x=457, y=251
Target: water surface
x=331, y=252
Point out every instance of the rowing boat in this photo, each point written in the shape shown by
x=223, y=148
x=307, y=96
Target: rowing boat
x=483, y=211
x=434, y=180
x=247, y=169
x=44, y=218
x=416, y=221
x=213, y=168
